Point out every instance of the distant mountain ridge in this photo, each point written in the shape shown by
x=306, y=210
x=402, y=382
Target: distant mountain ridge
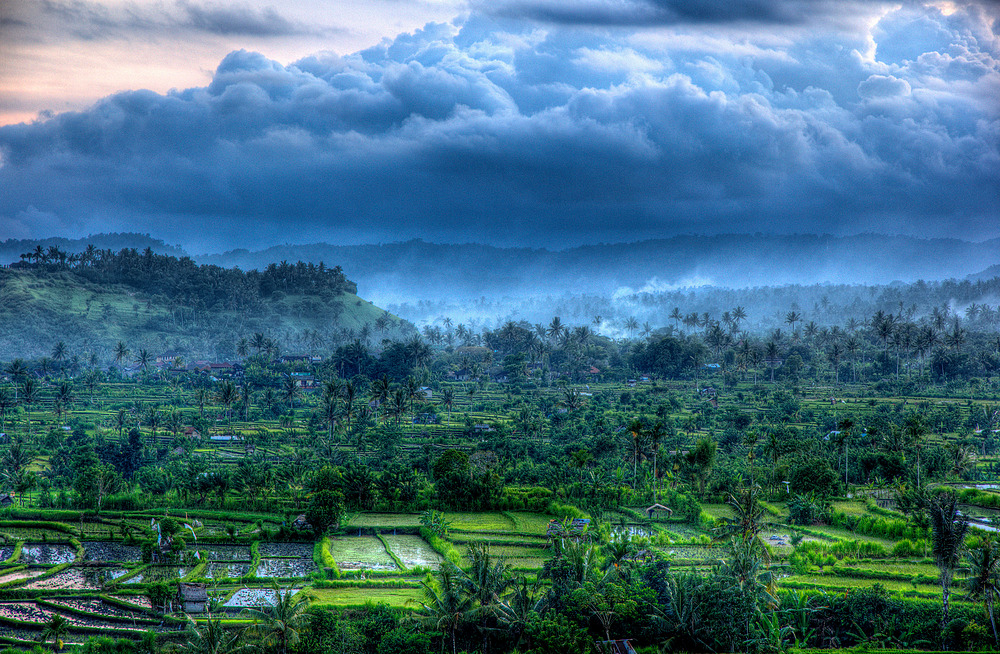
x=416, y=269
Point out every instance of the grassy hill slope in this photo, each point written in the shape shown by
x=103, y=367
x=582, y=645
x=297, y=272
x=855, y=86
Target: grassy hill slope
x=39, y=307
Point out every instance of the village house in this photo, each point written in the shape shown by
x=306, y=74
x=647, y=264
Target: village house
x=192, y=598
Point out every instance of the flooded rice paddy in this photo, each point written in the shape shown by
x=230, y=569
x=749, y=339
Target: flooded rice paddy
x=46, y=554
x=413, y=551
x=108, y=551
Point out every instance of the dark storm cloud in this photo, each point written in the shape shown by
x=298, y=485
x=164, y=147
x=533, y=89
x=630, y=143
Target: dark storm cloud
x=93, y=20
x=507, y=134
x=667, y=12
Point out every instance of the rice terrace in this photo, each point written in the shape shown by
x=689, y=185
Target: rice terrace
x=527, y=487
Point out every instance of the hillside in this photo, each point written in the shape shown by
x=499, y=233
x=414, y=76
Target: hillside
x=90, y=313
x=984, y=275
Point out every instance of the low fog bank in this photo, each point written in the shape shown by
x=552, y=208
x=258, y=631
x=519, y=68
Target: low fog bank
x=758, y=310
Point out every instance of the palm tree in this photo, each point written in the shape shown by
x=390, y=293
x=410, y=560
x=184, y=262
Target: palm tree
x=121, y=421
x=834, y=354
x=227, y=396
x=445, y=606
x=143, y=359
x=121, y=352
x=983, y=581
x=656, y=434
x=59, y=353
x=555, y=328
x=330, y=413
x=793, y=317
x=676, y=316
x=948, y=529
x=55, y=628
x=212, y=638
x=154, y=419
x=29, y=395
x=739, y=313
x=485, y=581
x=637, y=435
x=279, y=626
x=349, y=397
x=398, y=405
x=381, y=390
x=631, y=324
x=6, y=404
x=915, y=429
x=747, y=520
x=448, y=400
x=63, y=399
x=289, y=390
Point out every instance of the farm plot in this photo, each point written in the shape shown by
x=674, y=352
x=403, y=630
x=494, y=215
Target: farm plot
x=361, y=552
x=32, y=612
x=226, y=552
x=847, y=583
x=518, y=556
x=225, y=569
x=157, y=573
x=478, y=536
x=692, y=553
x=386, y=520
x=111, y=552
x=97, y=606
x=285, y=568
x=361, y=596
x=680, y=529
x=253, y=597
x=35, y=534
x=635, y=531
x=286, y=550
x=531, y=523
x=481, y=522
x=83, y=578
x=413, y=551
x=21, y=574
x=46, y=554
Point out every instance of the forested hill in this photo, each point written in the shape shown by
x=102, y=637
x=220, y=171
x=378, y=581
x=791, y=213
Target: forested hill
x=94, y=299
x=416, y=270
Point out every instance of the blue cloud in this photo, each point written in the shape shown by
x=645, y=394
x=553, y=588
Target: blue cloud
x=495, y=130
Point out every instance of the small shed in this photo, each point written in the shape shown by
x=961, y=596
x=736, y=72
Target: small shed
x=6, y=500
x=192, y=598
x=301, y=523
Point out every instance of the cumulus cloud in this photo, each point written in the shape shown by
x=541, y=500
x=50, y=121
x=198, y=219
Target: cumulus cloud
x=880, y=86
x=496, y=130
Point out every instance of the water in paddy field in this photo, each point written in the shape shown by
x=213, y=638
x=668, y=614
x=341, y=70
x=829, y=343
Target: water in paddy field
x=285, y=568
x=111, y=552
x=45, y=554
x=251, y=597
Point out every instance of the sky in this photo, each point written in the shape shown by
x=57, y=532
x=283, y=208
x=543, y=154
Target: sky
x=542, y=123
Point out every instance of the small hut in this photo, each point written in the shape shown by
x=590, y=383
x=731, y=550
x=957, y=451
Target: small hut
x=192, y=598
x=616, y=646
x=659, y=507
x=301, y=523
